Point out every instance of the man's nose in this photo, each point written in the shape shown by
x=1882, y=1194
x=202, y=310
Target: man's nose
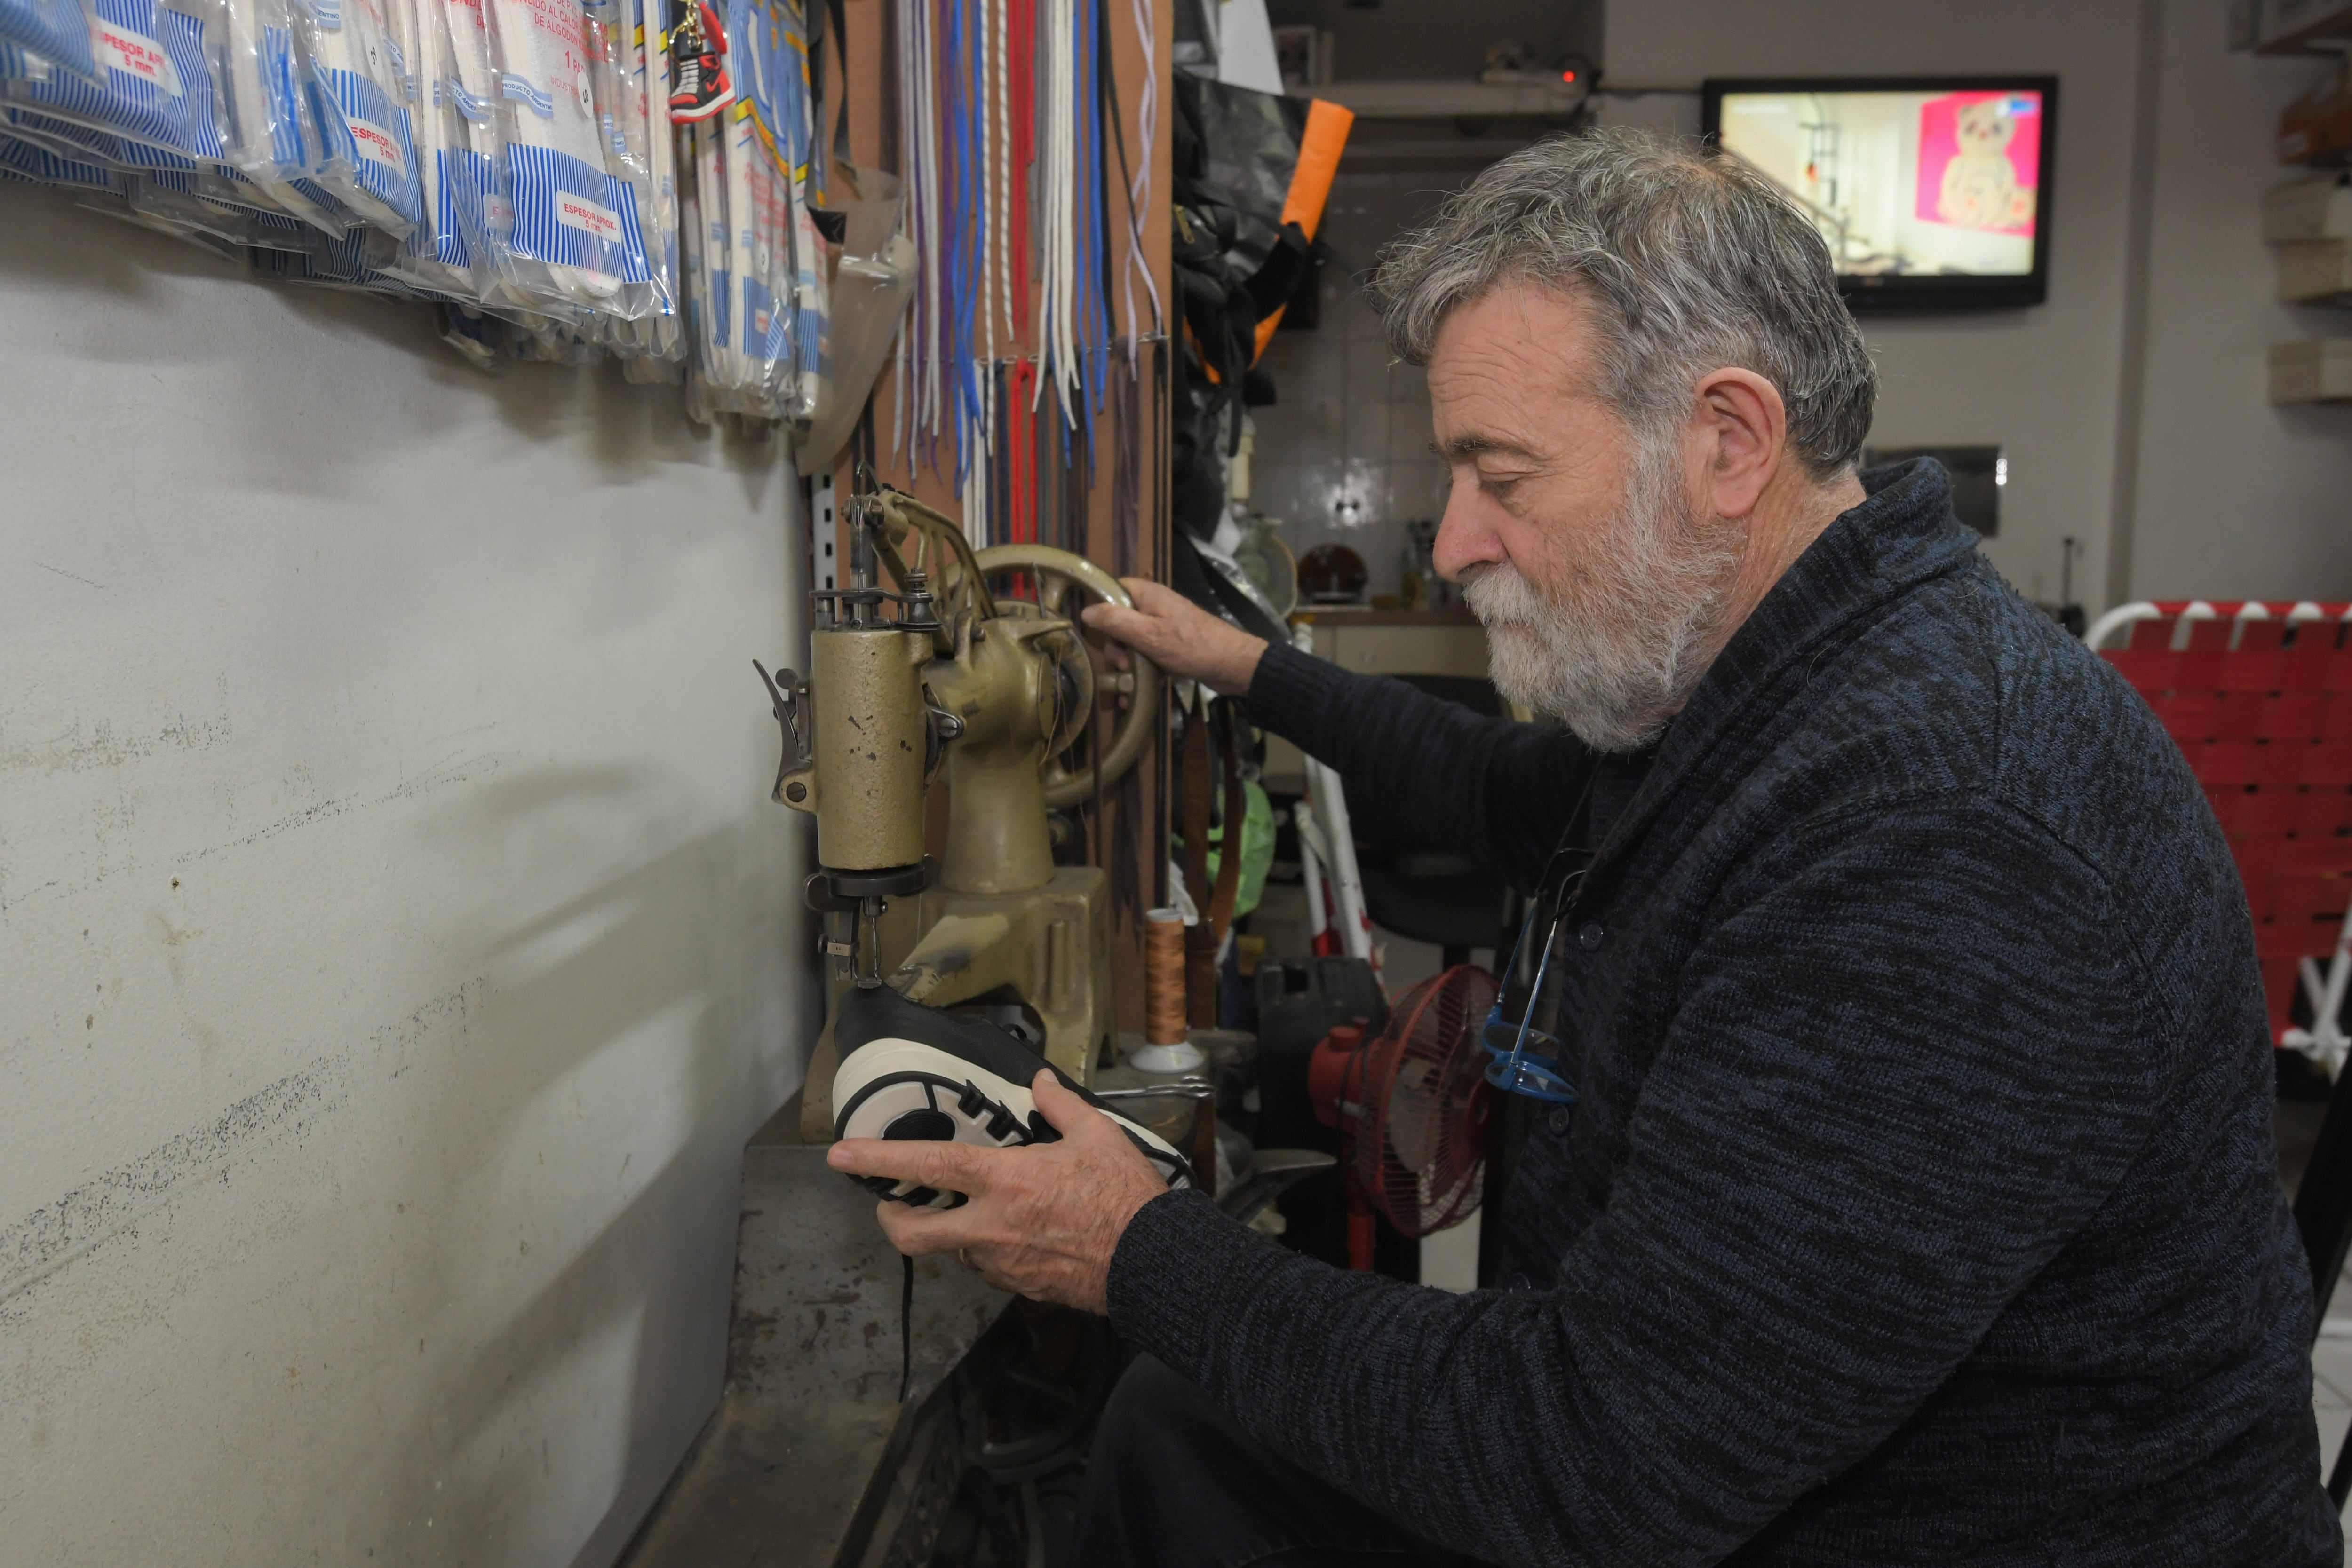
x=1465, y=536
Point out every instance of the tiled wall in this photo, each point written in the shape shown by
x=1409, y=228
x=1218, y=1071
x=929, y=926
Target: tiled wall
x=1344, y=452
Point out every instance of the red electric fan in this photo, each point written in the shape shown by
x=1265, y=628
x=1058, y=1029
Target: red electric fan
x=1411, y=1106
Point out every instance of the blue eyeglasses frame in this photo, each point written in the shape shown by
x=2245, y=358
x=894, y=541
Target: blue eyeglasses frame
x=1513, y=1068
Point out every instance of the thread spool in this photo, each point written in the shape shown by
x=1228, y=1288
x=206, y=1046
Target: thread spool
x=1168, y=1047
x=1163, y=978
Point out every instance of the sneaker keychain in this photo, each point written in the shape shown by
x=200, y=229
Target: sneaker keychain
x=698, y=52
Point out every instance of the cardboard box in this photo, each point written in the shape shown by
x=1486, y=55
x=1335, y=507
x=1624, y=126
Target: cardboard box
x=2314, y=271
x=2319, y=371
x=2319, y=208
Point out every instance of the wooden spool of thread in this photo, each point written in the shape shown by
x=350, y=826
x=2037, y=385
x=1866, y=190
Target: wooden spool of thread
x=1164, y=1021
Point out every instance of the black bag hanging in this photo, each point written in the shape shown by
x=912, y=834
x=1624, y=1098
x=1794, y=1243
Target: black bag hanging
x=1252, y=172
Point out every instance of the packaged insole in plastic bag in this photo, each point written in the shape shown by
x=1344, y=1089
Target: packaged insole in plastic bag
x=569, y=214
x=58, y=32
x=355, y=91
x=154, y=89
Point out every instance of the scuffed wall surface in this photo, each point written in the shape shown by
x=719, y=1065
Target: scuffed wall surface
x=396, y=943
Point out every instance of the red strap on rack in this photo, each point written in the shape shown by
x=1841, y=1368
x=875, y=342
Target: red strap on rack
x=1022, y=48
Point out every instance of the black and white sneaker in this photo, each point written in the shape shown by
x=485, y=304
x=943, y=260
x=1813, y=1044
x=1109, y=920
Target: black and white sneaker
x=912, y=1071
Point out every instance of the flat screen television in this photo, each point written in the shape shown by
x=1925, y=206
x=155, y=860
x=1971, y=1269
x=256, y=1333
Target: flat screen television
x=1932, y=191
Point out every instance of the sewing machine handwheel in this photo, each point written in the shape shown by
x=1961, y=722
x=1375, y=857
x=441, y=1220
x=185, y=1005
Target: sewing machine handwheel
x=1058, y=572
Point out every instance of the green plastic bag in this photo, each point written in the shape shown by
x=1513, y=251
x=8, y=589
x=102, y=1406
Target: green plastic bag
x=1257, y=849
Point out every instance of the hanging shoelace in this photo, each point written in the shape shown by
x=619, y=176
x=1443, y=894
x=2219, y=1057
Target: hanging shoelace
x=1004, y=108
x=905, y=1325
x=1139, y=185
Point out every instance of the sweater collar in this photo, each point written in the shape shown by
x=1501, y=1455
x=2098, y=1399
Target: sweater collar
x=1901, y=535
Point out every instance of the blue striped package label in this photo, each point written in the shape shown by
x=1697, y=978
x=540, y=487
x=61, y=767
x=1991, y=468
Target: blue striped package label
x=280, y=80
x=570, y=213
x=59, y=31
x=225, y=188
x=451, y=91
x=808, y=338
x=27, y=160
x=466, y=187
x=760, y=318
x=72, y=139
x=346, y=263
x=514, y=85
x=359, y=123
x=329, y=205
x=155, y=86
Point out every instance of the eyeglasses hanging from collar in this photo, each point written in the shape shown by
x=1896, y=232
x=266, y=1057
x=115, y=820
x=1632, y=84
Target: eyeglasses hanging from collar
x=1526, y=1059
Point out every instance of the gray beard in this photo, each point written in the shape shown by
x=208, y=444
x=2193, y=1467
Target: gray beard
x=1617, y=648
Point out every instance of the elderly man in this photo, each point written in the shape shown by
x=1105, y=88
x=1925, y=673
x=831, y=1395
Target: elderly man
x=1918, y=1202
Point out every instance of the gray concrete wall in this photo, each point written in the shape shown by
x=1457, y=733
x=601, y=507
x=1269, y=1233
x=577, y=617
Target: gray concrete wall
x=396, y=942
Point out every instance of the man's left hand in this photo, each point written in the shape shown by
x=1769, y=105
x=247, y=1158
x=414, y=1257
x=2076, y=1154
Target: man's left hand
x=1042, y=1221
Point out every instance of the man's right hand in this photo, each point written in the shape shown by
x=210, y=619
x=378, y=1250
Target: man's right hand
x=1181, y=637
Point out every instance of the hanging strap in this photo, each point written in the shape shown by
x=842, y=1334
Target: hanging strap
x=1229, y=850
x=905, y=1325
x=840, y=26
x=1200, y=939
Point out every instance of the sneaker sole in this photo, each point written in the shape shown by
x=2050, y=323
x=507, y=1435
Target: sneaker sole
x=697, y=116
x=902, y=1089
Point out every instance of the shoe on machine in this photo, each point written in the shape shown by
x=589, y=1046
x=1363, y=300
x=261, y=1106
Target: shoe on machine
x=912, y=1071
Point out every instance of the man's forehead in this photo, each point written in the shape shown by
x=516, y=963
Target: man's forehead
x=1503, y=365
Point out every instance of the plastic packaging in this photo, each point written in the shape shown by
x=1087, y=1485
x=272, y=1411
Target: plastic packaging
x=737, y=267
x=154, y=96
x=35, y=164
x=451, y=175
x=265, y=142
x=355, y=90
x=715, y=357
x=202, y=204
x=799, y=164
x=870, y=293
x=746, y=267
x=56, y=31
x=668, y=339
x=570, y=217
x=513, y=161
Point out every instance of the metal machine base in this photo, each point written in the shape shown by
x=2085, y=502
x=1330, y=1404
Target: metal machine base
x=810, y=1460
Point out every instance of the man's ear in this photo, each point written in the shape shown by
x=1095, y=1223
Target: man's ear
x=1743, y=429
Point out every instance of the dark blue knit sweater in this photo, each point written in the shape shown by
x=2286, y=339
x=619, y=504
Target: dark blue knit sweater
x=1921, y=1206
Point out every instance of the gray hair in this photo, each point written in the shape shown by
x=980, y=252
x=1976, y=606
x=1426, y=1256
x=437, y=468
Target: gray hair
x=1694, y=261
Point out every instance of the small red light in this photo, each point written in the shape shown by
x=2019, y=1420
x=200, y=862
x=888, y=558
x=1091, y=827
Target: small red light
x=1568, y=76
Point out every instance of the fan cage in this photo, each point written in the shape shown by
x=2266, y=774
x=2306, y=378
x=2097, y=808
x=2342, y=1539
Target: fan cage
x=1418, y=1105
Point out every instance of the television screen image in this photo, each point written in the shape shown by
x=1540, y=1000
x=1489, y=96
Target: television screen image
x=1936, y=191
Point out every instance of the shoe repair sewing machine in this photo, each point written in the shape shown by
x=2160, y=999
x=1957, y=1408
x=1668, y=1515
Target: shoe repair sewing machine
x=917, y=669
x=939, y=673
